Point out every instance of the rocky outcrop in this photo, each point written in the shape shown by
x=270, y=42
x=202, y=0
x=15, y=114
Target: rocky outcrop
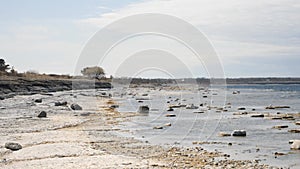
x=10, y=88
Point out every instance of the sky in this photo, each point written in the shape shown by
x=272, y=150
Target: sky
x=252, y=38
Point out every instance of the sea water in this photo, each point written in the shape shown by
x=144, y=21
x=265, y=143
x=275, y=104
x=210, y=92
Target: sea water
x=261, y=142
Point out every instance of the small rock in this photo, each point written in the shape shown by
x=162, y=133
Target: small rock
x=241, y=108
x=280, y=126
x=42, y=114
x=192, y=106
x=258, y=115
x=38, y=100
x=114, y=106
x=60, y=103
x=158, y=127
x=199, y=112
x=279, y=154
x=170, y=109
x=13, y=146
x=294, y=130
x=168, y=124
x=143, y=109
x=297, y=122
x=223, y=134
x=76, y=107
x=170, y=115
x=239, y=133
x=236, y=92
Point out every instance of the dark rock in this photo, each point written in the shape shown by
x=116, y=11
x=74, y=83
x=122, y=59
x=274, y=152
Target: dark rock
x=278, y=107
x=170, y=115
x=114, y=106
x=143, y=109
x=75, y=106
x=294, y=130
x=42, y=114
x=241, y=108
x=258, y=115
x=170, y=109
x=13, y=146
x=38, y=100
x=60, y=103
x=239, y=133
x=280, y=126
x=158, y=127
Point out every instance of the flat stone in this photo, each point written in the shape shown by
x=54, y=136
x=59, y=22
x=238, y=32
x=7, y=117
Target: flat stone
x=13, y=146
x=170, y=115
x=257, y=115
x=223, y=134
x=281, y=126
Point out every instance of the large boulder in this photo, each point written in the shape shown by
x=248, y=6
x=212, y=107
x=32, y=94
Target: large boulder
x=144, y=109
x=239, y=133
x=13, y=146
x=76, y=107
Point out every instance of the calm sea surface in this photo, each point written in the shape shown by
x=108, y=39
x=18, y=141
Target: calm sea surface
x=261, y=142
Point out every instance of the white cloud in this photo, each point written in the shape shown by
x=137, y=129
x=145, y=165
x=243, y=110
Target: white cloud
x=238, y=29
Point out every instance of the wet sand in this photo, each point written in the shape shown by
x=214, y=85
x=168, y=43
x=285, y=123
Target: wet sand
x=85, y=138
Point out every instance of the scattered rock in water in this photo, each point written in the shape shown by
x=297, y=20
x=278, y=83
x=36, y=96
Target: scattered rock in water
x=294, y=130
x=143, y=109
x=277, y=107
x=170, y=109
x=239, y=133
x=38, y=100
x=240, y=113
x=168, y=124
x=140, y=101
x=297, y=122
x=75, y=106
x=223, y=134
x=170, y=115
x=236, y=92
x=114, y=106
x=199, y=112
x=158, y=127
x=241, y=108
x=42, y=114
x=64, y=103
x=295, y=145
x=281, y=126
x=13, y=146
x=257, y=115
x=279, y=154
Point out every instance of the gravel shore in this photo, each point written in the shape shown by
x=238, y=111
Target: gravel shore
x=85, y=138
